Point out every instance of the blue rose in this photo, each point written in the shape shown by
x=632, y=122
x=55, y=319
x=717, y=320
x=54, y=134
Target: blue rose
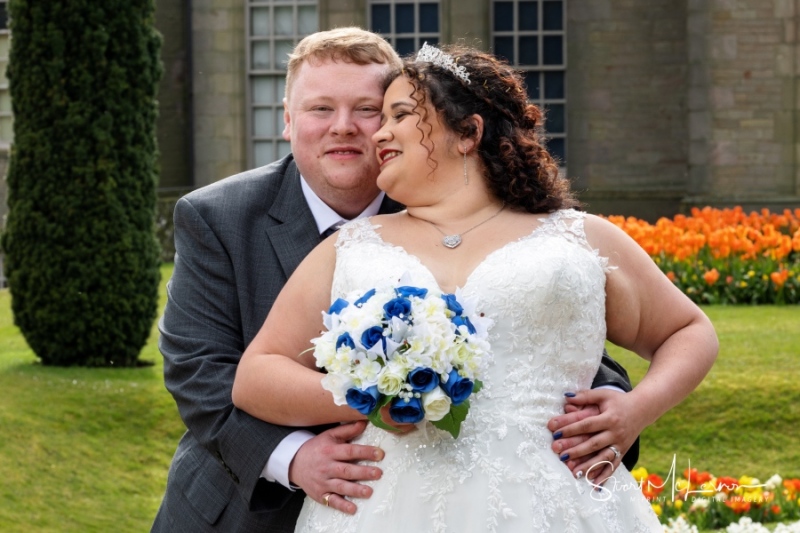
x=337, y=306
x=457, y=388
x=372, y=336
x=398, y=307
x=406, y=291
x=452, y=304
x=423, y=379
x=464, y=321
x=345, y=340
x=367, y=295
x=406, y=411
x=363, y=401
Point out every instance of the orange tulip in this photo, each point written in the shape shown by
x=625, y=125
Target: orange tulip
x=652, y=486
x=738, y=504
x=727, y=484
x=711, y=276
x=779, y=277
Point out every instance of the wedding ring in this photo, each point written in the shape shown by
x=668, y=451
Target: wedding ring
x=614, y=449
x=326, y=499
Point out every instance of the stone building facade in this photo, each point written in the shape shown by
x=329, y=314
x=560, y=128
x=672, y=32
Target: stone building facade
x=666, y=104
x=654, y=105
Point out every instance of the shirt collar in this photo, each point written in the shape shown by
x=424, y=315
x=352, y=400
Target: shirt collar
x=325, y=217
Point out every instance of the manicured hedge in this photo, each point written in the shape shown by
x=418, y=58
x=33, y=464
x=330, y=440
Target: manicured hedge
x=81, y=256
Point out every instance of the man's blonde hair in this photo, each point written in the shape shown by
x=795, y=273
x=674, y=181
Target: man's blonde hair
x=350, y=45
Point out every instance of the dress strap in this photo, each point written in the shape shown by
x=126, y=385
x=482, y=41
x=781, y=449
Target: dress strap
x=357, y=231
x=570, y=225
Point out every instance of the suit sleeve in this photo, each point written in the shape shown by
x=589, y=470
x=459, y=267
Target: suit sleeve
x=612, y=373
x=202, y=342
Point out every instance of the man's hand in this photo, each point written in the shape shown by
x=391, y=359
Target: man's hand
x=326, y=466
x=594, y=420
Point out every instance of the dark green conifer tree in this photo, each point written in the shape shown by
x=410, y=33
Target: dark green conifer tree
x=81, y=256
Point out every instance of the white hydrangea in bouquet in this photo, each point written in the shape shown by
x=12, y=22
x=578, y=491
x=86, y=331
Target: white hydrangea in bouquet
x=419, y=350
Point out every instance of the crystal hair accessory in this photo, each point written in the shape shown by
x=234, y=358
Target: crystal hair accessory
x=431, y=54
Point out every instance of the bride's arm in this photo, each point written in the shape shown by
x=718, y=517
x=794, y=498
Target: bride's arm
x=276, y=379
x=646, y=314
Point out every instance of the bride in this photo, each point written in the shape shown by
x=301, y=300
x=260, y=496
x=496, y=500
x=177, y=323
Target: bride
x=487, y=213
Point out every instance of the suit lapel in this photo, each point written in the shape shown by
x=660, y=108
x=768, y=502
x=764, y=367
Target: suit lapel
x=295, y=233
x=390, y=206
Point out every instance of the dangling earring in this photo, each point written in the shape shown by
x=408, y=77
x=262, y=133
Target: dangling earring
x=466, y=178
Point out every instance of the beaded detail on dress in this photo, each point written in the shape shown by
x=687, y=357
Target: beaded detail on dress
x=546, y=295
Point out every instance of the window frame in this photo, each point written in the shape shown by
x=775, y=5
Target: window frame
x=419, y=37
x=276, y=71
x=540, y=68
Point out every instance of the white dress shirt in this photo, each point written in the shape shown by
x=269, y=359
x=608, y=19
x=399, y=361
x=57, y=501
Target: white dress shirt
x=277, y=467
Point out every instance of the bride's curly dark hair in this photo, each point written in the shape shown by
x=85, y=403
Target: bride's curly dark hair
x=519, y=169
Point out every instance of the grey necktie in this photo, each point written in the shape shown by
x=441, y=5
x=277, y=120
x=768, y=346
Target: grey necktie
x=328, y=232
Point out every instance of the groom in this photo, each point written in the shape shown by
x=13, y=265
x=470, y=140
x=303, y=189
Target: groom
x=237, y=241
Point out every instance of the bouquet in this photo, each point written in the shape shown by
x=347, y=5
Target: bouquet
x=417, y=349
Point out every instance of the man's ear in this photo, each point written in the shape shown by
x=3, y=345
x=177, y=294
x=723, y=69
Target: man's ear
x=287, y=122
x=472, y=138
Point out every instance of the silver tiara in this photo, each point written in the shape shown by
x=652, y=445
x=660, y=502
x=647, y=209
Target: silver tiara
x=431, y=54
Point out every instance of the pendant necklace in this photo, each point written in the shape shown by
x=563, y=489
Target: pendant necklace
x=452, y=241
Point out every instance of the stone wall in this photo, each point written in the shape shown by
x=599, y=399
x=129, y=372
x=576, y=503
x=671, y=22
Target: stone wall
x=743, y=102
x=218, y=89
x=671, y=103
x=626, y=99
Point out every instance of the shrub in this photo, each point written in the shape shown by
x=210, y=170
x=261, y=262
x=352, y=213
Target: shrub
x=81, y=257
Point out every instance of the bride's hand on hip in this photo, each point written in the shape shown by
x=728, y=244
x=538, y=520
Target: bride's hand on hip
x=597, y=429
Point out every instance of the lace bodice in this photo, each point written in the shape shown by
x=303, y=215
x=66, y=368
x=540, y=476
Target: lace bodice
x=546, y=295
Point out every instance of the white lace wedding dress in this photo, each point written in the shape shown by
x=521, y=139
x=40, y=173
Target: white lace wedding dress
x=546, y=294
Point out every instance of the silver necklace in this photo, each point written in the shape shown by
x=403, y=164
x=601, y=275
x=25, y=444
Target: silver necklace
x=452, y=241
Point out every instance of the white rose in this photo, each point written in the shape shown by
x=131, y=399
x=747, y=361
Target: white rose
x=436, y=404
x=391, y=380
x=338, y=385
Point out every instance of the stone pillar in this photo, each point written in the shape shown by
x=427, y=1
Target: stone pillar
x=218, y=91
x=174, y=98
x=626, y=101
x=466, y=20
x=743, y=103
x=342, y=13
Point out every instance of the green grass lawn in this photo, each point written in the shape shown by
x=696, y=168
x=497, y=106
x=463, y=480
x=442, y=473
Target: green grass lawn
x=745, y=417
x=81, y=449
x=88, y=450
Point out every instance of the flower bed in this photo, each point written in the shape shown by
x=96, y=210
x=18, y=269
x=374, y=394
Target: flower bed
x=710, y=502
x=725, y=255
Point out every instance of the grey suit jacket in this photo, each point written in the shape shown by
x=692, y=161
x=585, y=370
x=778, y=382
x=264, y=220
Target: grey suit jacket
x=237, y=241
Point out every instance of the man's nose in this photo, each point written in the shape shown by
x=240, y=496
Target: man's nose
x=343, y=123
